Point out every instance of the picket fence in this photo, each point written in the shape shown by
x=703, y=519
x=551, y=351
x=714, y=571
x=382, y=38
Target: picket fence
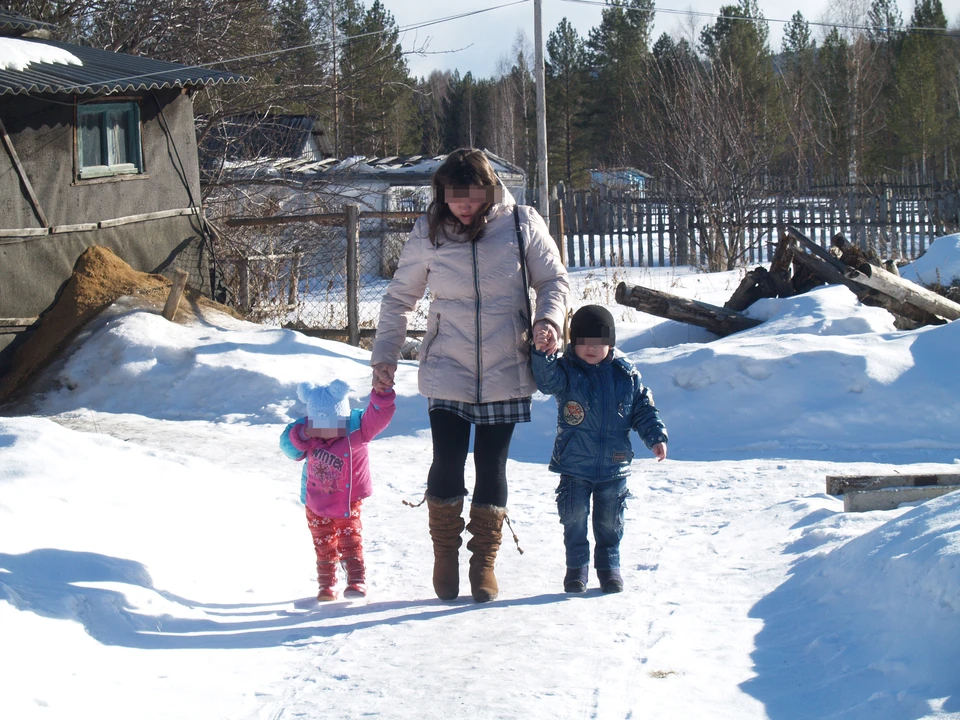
x=604, y=227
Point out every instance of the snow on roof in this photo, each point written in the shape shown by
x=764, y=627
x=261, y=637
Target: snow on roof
x=16, y=54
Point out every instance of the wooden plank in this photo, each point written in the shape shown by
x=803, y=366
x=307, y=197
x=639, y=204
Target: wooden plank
x=21, y=171
x=890, y=498
x=18, y=322
x=327, y=219
x=146, y=217
x=840, y=484
x=176, y=292
x=23, y=232
x=79, y=227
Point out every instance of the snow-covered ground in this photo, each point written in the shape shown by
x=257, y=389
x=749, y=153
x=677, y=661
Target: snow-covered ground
x=155, y=561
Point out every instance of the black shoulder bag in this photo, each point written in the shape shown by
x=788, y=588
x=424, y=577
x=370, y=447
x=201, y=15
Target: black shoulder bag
x=523, y=273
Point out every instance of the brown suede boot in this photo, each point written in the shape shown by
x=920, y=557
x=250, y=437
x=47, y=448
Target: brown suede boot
x=485, y=525
x=446, y=528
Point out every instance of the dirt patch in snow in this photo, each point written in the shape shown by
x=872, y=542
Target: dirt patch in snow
x=99, y=279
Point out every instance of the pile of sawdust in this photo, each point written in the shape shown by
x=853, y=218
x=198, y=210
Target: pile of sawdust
x=99, y=279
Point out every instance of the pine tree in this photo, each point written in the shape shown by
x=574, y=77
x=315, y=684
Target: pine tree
x=566, y=68
x=617, y=49
x=833, y=106
x=920, y=114
x=799, y=51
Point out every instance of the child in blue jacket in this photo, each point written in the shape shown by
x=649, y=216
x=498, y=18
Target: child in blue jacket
x=600, y=399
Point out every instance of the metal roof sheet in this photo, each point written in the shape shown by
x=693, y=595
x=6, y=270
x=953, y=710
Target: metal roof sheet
x=11, y=21
x=106, y=72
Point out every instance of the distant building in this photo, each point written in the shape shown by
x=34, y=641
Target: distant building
x=622, y=179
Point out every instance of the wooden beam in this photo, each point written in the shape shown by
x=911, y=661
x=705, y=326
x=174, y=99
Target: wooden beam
x=891, y=498
x=840, y=484
x=717, y=320
x=331, y=219
x=31, y=195
x=816, y=249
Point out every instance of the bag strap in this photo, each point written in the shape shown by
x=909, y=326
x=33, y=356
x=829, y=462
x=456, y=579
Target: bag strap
x=523, y=272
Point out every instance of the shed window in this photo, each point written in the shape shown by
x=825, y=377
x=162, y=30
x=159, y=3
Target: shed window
x=109, y=139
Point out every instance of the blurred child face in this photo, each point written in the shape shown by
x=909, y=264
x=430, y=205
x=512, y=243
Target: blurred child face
x=466, y=201
x=591, y=350
x=327, y=433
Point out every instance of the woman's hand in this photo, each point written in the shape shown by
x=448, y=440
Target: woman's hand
x=545, y=337
x=383, y=377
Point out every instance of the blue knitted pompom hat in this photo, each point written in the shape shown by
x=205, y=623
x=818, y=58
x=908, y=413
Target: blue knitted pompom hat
x=327, y=405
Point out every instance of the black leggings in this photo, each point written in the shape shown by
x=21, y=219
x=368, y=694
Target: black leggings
x=451, y=440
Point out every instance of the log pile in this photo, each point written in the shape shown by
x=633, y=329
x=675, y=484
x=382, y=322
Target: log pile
x=799, y=265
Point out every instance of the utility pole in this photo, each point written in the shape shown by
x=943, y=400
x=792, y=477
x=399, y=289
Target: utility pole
x=539, y=75
x=336, y=89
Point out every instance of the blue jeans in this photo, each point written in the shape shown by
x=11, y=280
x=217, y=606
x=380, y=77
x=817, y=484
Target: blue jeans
x=573, y=504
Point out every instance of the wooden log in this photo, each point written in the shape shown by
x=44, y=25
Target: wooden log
x=176, y=292
x=907, y=317
x=903, y=290
x=748, y=291
x=840, y=484
x=717, y=320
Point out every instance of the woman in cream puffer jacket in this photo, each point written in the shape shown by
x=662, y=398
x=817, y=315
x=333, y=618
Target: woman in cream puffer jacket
x=474, y=360
x=476, y=348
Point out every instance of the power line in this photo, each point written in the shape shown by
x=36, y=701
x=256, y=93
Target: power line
x=715, y=16
x=330, y=44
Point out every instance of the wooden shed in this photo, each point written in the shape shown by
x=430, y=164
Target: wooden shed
x=98, y=148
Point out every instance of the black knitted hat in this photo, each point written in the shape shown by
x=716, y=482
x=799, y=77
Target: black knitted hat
x=592, y=322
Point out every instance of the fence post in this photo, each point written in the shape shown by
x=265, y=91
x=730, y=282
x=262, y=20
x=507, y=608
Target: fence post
x=294, y=277
x=243, y=272
x=353, y=275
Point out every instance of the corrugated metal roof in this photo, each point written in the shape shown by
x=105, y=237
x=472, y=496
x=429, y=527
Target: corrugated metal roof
x=11, y=21
x=106, y=72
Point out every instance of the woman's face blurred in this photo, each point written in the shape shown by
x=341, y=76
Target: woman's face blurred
x=465, y=201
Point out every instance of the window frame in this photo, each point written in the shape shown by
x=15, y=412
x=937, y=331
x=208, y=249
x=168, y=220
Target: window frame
x=134, y=135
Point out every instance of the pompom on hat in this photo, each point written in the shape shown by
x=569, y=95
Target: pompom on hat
x=327, y=405
x=593, y=322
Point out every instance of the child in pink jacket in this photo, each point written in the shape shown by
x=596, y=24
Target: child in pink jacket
x=336, y=476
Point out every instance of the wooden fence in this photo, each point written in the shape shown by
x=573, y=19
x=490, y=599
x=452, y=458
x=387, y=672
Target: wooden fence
x=610, y=228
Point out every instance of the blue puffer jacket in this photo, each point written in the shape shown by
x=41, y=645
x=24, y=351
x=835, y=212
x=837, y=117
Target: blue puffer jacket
x=597, y=407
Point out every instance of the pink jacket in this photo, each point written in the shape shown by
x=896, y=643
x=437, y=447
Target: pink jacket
x=337, y=471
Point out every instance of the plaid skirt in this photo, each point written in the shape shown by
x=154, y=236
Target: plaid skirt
x=516, y=410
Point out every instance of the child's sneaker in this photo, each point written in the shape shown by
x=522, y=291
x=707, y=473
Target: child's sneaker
x=610, y=580
x=575, y=581
x=326, y=594
x=355, y=590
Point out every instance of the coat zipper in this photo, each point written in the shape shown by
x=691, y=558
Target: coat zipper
x=603, y=419
x=476, y=287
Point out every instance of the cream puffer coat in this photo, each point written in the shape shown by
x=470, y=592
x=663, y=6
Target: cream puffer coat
x=476, y=346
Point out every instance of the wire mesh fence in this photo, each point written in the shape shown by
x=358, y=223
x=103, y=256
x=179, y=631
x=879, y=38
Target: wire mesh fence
x=323, y=273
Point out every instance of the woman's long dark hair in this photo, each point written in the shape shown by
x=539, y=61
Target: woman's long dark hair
x=463, y=167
